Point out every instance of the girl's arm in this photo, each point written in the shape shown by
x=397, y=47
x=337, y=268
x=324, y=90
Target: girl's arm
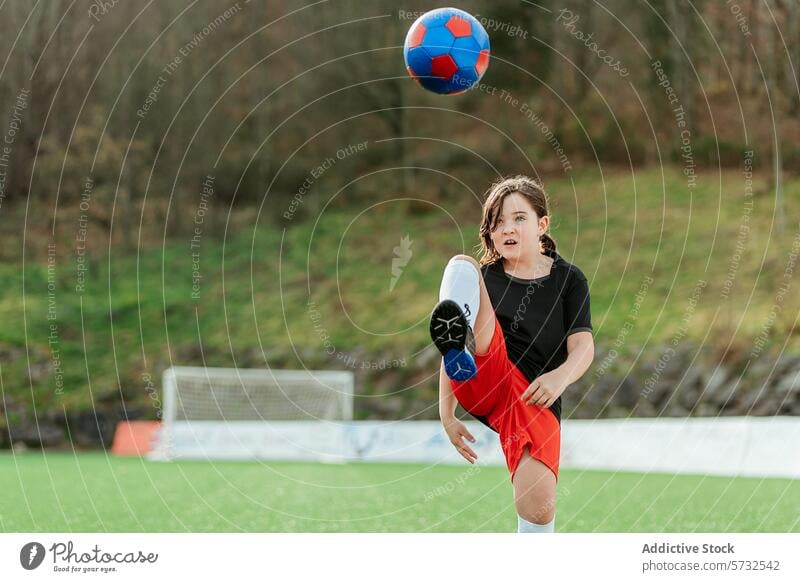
x=447, y=400
x=456, y=430
x=545, y=389
x=580, y=354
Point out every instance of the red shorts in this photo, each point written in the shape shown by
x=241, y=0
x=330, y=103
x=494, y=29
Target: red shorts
x=494, y=392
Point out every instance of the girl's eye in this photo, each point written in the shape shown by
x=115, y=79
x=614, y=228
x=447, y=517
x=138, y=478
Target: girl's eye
x=518, y=218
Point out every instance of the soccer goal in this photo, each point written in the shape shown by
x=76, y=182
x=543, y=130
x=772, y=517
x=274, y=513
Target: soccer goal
x=230, y=413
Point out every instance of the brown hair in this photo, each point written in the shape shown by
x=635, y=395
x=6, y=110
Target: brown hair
x=534, y=193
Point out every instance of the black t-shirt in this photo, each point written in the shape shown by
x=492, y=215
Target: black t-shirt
x=537, y=315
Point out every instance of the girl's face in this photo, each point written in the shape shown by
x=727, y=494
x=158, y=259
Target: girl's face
x=516, y=234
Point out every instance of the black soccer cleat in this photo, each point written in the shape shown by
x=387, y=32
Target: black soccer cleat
x=454, y=339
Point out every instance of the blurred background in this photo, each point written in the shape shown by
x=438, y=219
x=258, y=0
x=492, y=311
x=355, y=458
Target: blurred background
x=252, y=184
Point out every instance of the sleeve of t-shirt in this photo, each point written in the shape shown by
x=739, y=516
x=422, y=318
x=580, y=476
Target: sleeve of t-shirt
x=577, y=313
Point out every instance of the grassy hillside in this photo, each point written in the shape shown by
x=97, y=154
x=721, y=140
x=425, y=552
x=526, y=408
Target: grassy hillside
x=137, y=313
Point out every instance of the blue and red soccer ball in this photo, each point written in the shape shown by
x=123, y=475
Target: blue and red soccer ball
x=446, y=50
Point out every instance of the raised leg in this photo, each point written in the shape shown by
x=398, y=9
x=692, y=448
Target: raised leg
x=484, y=322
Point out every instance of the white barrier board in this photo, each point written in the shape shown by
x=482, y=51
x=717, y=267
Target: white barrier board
x=752, y=446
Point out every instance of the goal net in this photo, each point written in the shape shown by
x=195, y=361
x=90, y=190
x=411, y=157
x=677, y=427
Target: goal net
x=234, y=413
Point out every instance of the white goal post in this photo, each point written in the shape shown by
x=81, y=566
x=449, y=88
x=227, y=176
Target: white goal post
x=231, y=413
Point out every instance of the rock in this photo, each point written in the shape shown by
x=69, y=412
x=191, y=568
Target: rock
x=646, y=409
x=36, y=434
x=759, y=368
x=663, y=392
x=754, y=397
x=428, y=358
x=728, y=396
x=787, y=364
x=383, y=408
x=423, y=410
x=93, y=428
x=705, y=409
x=768, y=406
x=627, y=393
x=135, y=411
x=674, y=409
x=10, y=354
x=40, y=371
x=716, y=382
x=789, y=385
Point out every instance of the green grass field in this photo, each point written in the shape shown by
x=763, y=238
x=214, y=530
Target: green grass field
x=61, y=492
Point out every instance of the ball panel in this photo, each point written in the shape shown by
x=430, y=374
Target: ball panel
x=459, y=26
x=438, y=41
x=464, y=78
x=435, y=84
x=412, y=74
x=415, y=35
x=481, y=37
x=482, y=63
x=419, y=61
x=443, y=66
x=465, y=51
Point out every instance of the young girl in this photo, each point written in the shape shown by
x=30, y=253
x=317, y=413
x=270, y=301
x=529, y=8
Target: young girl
x=514, y=331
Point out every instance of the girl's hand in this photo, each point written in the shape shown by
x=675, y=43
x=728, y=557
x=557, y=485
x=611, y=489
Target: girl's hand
x=545, y=389
x=457, y=432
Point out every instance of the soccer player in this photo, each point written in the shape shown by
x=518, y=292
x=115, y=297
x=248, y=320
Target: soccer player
x=514, y=331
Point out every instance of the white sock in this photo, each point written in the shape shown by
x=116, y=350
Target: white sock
x=524, y=526
x=461, y=284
